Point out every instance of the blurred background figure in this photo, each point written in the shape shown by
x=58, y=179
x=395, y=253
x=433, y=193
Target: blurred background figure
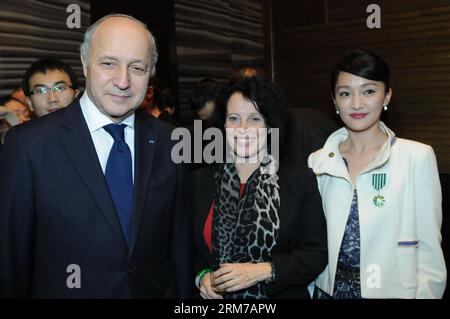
x=160, y=102
x=18, y=93
x=168, y=109
x=8, y=118
x=309, y=129
x=17, y=107
x=202, y=99
x=247, y=72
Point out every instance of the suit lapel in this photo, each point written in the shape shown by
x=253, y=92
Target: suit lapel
x=78, y=143
x=146, y=141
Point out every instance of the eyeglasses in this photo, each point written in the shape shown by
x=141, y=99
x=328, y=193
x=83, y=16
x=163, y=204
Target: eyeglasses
x=43, y=90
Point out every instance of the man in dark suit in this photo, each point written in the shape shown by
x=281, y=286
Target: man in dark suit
x=91, y=204
x=308, y=131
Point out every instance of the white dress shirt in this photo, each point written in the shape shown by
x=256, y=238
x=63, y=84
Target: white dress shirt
x=103, y=141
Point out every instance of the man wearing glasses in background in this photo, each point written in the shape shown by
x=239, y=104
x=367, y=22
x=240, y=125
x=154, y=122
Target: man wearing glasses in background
x=49, y=85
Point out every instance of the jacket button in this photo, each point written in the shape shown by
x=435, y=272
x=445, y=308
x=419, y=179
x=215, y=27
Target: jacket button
x=331, y=154
x=131, y=268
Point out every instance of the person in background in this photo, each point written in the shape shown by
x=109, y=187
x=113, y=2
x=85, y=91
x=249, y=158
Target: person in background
x=202, y=100
x=152, y=95
x=169, y=107
x=381, y=195
x=49, y=85
x=159, y=102
x=259, y=232
x=19, y=94
x=8, y=119
x=17, y=107
x=309, y=129
x=247, y=72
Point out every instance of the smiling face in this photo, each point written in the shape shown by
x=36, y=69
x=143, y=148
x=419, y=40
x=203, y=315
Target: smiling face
x=117, y=71
x=245, y=126
x=360, y=101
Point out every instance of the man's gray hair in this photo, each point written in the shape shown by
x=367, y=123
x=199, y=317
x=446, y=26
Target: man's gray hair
x=86, y=45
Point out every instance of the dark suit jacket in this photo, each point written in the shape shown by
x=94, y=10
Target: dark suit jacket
x=166, y=117
x=56, y=210
x=300, y=254
x=309, y=129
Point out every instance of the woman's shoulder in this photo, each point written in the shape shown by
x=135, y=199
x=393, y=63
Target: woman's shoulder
x=411, y=149
x=314, y=157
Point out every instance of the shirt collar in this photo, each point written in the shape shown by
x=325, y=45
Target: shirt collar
x=95, y=119
x=331, y=162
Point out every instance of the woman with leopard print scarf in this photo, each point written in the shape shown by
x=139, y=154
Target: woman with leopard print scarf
x=259, y=227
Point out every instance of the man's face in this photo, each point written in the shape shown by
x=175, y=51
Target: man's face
x=51, y=101
x=117, y=70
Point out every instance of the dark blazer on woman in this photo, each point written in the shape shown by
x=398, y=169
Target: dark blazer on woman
x=300, y=254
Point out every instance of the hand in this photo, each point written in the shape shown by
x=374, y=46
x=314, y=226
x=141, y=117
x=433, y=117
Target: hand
x=234, y=277
x=3, y=111
x=9, y=116
x=206, y=289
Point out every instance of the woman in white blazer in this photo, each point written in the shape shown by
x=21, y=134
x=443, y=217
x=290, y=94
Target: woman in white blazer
x=381, y=196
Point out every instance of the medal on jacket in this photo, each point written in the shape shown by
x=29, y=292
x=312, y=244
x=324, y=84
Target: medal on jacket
x=378, y=182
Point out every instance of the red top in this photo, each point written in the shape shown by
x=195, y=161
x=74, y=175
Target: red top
x=208, y=223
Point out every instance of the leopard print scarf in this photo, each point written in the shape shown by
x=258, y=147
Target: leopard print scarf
x=245, y=228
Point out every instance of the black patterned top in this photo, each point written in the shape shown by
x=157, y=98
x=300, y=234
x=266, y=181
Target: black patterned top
x=347, y=283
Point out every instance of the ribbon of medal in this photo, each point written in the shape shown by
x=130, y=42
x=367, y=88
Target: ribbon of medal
x=378, y=182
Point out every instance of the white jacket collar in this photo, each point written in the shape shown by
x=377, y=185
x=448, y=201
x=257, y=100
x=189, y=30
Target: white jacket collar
x=329, y=159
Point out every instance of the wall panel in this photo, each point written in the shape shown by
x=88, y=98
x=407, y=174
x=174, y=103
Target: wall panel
x=214, y=37
x=31, y=30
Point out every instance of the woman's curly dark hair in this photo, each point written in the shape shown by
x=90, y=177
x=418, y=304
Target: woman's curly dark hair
x=267, y=98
